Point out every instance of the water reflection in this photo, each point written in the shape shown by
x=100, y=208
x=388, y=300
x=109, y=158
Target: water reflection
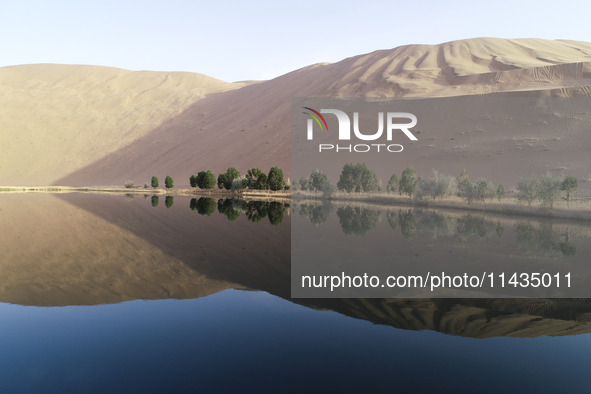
x=357, y=221
x=537, y=236
x=255, y=211
x=544, y=239
x=110, y=250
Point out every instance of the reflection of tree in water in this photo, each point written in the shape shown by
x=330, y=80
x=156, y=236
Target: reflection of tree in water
x=256, y=210
x=406, y=220
x=469, y=226
x=413, y=221
x=357, y=220
x=169, y=201
x=408, y=223
x=155, y=201
x=229, y=208
x=203, y=205
x=439, y=225
x=276, y=211
x=544, y=239
x=316, y=213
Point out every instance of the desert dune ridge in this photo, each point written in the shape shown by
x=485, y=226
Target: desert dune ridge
x=87, y=125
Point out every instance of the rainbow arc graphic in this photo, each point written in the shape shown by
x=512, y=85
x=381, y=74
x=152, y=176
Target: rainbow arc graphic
x=317, y=117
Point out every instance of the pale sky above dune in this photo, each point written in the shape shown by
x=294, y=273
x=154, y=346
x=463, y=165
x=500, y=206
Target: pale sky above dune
x=241, y=40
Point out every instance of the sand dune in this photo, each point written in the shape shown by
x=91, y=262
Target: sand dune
x=249, y=126
x=56, y=119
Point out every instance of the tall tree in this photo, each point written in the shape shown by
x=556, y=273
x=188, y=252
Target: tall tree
x=408, y=181
x=169, y=182
x=392, y=184
x=275, y=179
x=154, y=182
x=569, y=185
x=527, y=189
x=317, y=180
x=193, y=180
x=358, y=178
x=256, y=179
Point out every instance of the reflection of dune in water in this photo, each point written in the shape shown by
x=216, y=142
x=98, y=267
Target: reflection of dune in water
x=104, y=249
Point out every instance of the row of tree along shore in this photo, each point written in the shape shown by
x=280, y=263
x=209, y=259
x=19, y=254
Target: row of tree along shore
x=231, y=180
x=357, y=179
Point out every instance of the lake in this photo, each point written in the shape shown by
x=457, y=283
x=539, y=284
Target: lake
x=112, y=293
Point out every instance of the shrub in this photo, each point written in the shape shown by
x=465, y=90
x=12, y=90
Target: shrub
x=129, y=184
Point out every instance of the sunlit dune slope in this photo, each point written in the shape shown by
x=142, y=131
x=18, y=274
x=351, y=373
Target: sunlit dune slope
x=56, y=119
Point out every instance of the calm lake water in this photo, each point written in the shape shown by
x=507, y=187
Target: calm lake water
x=111, y=293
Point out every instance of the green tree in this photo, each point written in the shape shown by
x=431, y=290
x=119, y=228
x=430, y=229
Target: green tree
x=221, y=180
x=256, y=179
x=465, y=187
x=317, y=180
x=168, y=201
x=193, y=180
x=392, y=184
x=169, y=182
x=358, y=178
x=548, y=190
x=205, y=180
x=483, y=189
x=348, y=180
x=527, y=189
x=231, y=174
x=500, y=192
x=408, y=181
x=154, y=182
x=569, y=185
x=304, y=183
x=437, y=186
x=275, y=179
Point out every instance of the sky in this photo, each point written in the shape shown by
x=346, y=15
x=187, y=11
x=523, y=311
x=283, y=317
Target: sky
x=254, y=40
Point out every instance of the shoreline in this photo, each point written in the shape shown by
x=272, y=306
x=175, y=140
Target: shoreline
x=578, y=208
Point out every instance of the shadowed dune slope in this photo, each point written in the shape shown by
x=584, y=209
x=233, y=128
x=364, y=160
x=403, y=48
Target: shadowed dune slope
x=250, y=126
